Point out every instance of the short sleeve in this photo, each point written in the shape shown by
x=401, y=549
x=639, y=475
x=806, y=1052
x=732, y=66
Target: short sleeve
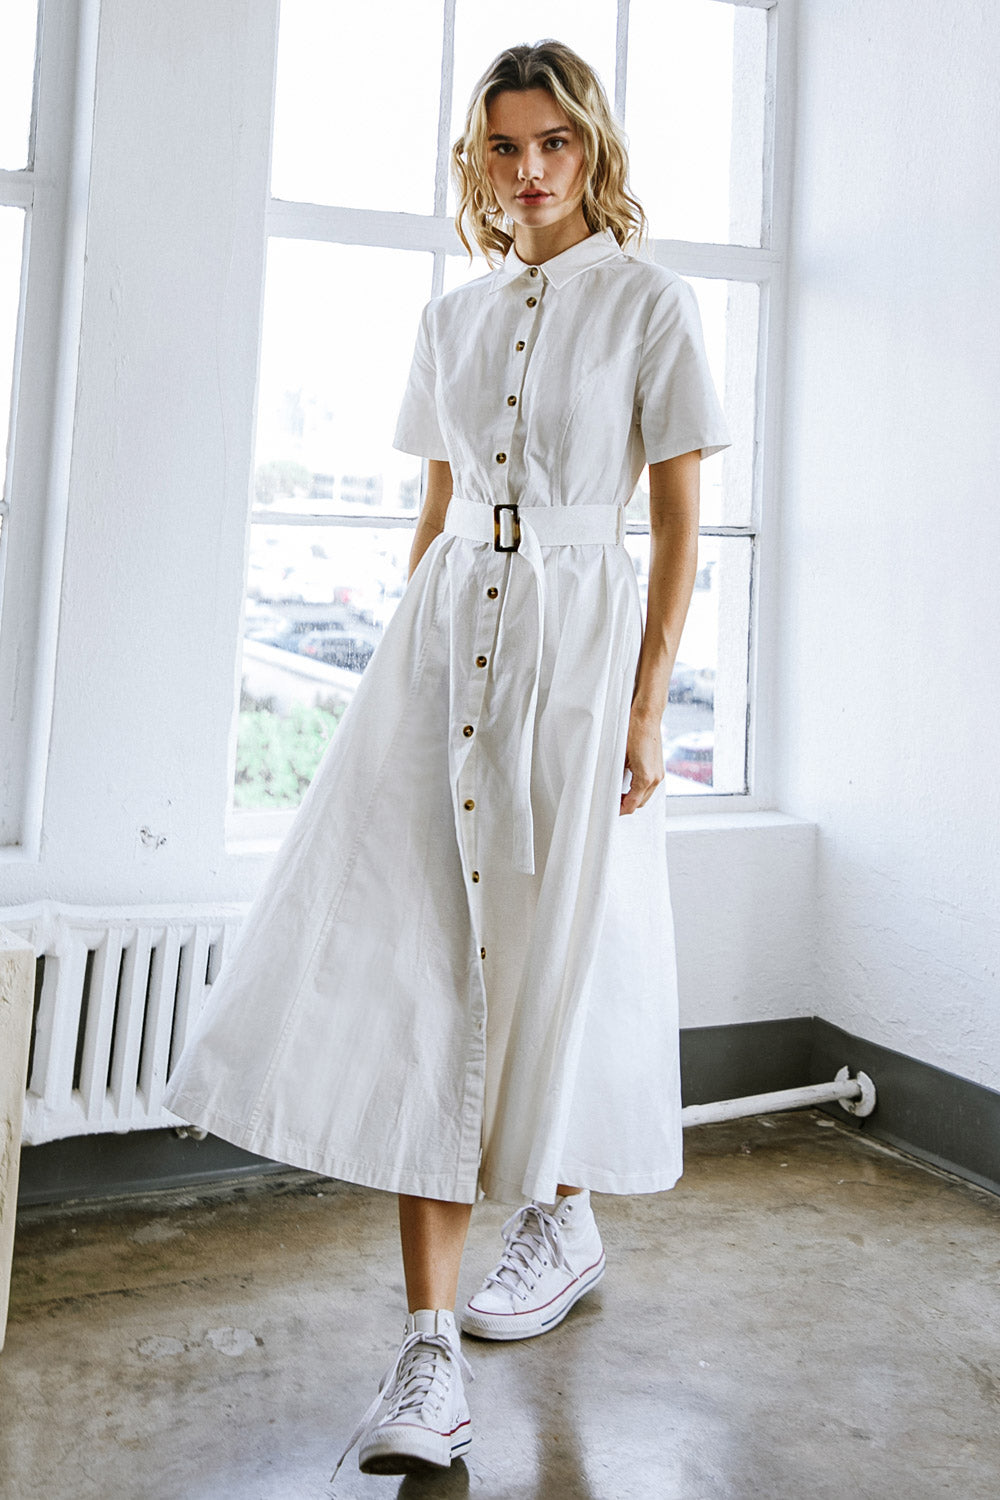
x=417, y=430
x=677, y=408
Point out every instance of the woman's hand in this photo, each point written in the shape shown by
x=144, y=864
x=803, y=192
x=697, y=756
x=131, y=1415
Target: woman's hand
x=643, y=757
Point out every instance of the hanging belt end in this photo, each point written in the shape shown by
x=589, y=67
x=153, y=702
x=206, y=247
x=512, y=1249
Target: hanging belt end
x=523, y=857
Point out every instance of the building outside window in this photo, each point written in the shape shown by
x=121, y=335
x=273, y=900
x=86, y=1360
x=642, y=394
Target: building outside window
x=360, y=235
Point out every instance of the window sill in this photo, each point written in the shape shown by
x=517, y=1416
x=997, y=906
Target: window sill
x=727, y=820
x=253, y=834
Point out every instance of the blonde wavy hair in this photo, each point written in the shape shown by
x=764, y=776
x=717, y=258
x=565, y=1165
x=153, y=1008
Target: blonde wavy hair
x=573, y=84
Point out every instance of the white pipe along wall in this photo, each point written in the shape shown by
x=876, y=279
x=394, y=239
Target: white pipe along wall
x=889, y=653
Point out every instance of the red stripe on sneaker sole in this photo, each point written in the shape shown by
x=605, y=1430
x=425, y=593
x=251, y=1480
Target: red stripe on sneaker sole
x=548, y=1322
x=598, y=1265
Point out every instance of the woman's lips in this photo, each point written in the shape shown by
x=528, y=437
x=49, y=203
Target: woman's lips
x=533, y=197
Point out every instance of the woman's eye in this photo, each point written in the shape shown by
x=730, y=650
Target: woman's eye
x=555, y=144
x=503, y=148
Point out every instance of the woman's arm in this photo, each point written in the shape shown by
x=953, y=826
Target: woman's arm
x=431, y=521
x=673, y=562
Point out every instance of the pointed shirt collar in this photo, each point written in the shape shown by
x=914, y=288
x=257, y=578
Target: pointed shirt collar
x=593, y=251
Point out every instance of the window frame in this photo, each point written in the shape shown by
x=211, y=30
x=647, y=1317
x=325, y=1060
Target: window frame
x=52, y=189
x=762, y=265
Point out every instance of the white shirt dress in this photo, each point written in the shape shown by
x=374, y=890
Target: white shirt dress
x=458, y=977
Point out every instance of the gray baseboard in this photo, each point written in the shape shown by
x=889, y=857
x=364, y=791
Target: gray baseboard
x=929, y=1113
x=925, y=1111
x=85, y=1167
x=755, y=1057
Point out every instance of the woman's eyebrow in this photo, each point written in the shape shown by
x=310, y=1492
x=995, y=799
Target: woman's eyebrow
x=539, y=135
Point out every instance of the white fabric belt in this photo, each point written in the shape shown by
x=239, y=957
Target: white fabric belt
x=521, y=532
x=553, y=525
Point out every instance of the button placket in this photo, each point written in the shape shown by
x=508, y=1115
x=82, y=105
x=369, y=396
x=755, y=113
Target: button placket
x=512, y=394
x=467, y=709
x=475, y=675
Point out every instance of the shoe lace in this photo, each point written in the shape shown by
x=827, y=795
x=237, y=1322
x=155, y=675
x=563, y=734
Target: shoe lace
x=417, y=1379
x=533, y=1241
x=422, y=1376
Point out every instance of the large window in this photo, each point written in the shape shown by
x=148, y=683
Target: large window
x=361, y=235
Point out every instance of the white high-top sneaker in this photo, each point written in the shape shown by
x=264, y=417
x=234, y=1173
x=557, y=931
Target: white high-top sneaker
x=550, y=1261
x=426, y=1422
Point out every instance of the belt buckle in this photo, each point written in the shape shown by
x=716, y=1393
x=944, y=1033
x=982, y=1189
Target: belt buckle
x=515, y=529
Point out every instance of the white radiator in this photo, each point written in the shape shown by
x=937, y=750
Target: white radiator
x=117, y=990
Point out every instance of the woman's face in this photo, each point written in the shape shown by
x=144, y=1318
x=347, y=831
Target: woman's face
x=535, y=158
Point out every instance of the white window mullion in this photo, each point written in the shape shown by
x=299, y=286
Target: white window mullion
x=376, y=518
x=399, y=231
x=442, y=170
x=360, y=226
x=765, y=367
x=727, y=262
x=770, y=95
x=621, y=59
x=17, y=189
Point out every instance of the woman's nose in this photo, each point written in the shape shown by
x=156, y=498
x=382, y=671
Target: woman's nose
x=530, y=165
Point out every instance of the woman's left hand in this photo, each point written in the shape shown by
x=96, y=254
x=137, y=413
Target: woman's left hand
x=643, y=757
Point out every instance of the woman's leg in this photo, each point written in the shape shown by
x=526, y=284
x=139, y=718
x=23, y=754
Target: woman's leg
x=432, y=1234
x=420, y=1417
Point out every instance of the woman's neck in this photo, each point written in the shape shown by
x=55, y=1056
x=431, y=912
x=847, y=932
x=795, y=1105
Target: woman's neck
x=535, y=246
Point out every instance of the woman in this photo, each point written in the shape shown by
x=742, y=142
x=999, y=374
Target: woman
x=459, y=977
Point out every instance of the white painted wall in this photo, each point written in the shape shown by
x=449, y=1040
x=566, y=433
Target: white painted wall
x=744, y=899
x=889, y=661
x=152, y=584
x=152, y=587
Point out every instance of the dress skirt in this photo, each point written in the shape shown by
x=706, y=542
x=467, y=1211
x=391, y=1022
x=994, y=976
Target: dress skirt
x=412, y=1003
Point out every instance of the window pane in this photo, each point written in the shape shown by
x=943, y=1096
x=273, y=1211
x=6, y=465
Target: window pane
x=730, y=312
x=458, y=270
x=481, y=31
x=695, y=117
x=318, y=599
x=18, y=23
x=11, y=239
x=356, y=103
x=729, y=315
x=704, y=727
x=339, y=327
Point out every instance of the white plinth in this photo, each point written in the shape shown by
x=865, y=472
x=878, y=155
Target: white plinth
x=17, y=987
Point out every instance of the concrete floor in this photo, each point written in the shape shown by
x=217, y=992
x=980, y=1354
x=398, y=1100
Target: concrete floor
x=806, y=1315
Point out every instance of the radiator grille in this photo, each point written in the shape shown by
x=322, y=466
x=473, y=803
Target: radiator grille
x=117, y=992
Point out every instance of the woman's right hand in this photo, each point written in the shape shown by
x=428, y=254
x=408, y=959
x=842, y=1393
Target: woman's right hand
x=643, y=758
